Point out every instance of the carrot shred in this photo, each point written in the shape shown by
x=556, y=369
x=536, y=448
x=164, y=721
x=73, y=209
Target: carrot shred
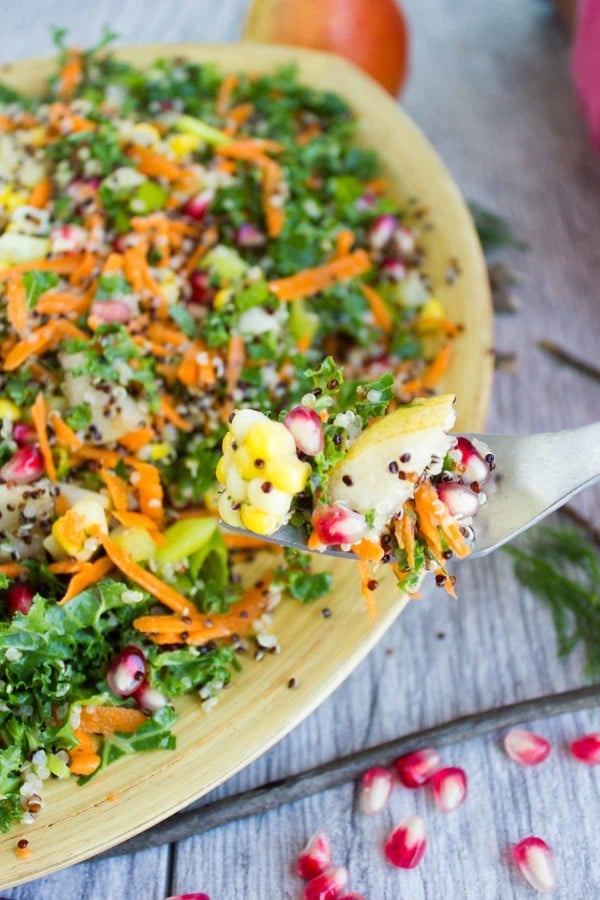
x=156, y=165
x=404, y=529
x=84, y=268
x=272, y=178
x=65, y=436
x=368, y=550
x=365, y=577
x=343, y=242
x=71, y=74
x=207, y=627
x=66, y=566
x=311, y=281
x=146, y=580
x=436, y=369
x=193, y=373
x=149, y=490
x=110, y=719
x=89, y=574
x=61, y=303
x=16, y=307
x=135, y=520
x=236, y=357
x=226, y=89
x=249, y=149
x=40, y=340
x=430, y=323
x=380, y=312
x=63, y=265
x=11, y=570
x=208, y=239
x=425, y=505
x=167, y=408
x=135, y=440
x=40, y=195
x=117, y=489
x=39, y=416
x=162, y=334
x=240, y=114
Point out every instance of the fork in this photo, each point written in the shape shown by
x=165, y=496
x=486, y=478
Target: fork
x=535, y=474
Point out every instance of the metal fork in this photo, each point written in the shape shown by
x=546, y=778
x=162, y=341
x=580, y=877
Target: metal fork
x=535, y=474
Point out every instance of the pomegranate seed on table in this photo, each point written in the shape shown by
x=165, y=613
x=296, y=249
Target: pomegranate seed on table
x=416, y=769
x=459, y=499
x=23, y=434
x=525, y=747
x=18, y=597
x=149, y=699
x=249, y=237
x=315, y=858
x=306, y=428
x=474, y=466
x=587, y=749
x=127, y=671
x=25, y=466
x=534, y=858
x=328, y=885
x=338, y=525
x=375, y=790
x=382, y=231
x=449, y=787
x=406, y=845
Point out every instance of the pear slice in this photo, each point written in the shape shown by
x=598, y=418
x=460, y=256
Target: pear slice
x=405, y=441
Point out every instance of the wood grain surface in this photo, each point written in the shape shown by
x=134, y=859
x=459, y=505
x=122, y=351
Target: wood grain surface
x=489, y=87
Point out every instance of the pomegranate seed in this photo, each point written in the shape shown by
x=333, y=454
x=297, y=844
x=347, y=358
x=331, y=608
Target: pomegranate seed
x=338, y=525
x=307, y=429
x=25, y=466
x=23, y=434
x=67, y=239
x=18, y=597
x=127, y=671
x=587, y=749
x=149, y=699
x=474, y=467
x=120, y=243
x=200, y=285
x=394, y=269
x=328, y=885
x=197, y=207
x=458, y=498
x=416, y=769
x=249, y=237
x=375, y=790
x=534, y=858
x=112, y=311
x=381, y=231
x=404, y=241
x=449, y=788
x=525, y=747
x=315, y=858
x=405, y=847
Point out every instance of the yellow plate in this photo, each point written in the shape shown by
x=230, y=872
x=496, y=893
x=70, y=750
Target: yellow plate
x=139, y=791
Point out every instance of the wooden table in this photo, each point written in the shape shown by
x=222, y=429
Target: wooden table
x=489, y=86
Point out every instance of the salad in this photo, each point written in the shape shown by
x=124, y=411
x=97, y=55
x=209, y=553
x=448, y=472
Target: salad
x=184, y=253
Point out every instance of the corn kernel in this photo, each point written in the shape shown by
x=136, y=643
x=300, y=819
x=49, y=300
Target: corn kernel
x=289, y=475
x=245, y=462
x=182, y=144
x=222, y=298
x=269, y=440
x=432, y=309
x=227, y=441
x=9, y=410
x=160, y=450
x=258, y=521
x=221, y=471
x=11, y=200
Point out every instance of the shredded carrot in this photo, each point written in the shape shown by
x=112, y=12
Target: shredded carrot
x=250, y=149
x=425, y=505
x=39, y=416
x=40, y=195
x=65, y=436
x=193, y=373
x=136, y=520
x=16, y=307
x=404, y=529
x=110, y=719
x=63, y=265
x=380, y=312
x=155, y=165
x=311, y=281
x=61, y=303
x=167, y=408
x=365, y=577
x=272, y=178
x=149, y=490
x=161, y=333
x=66, y=566
x=226, y=89
x=11, y=570
x=208, y=239
x=84, y=268
x=236, y=356
x=314, y=542
x=71, y=74
x=117, y=489
x=207, y=627
x=343, y=242
x=89, y=574
x=436, y=369
x=240, y=114
x=146, y=580
x=368, y=550
x=40, y=340
x=135, y=440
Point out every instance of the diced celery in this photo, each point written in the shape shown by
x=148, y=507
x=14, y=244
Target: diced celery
x=303, y=323
x=59, y=768
x=192, y=125
x=211, y=562
x=226, y=263
x=185, y=538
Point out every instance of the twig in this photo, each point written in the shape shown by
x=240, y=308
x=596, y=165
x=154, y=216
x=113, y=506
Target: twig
x=569, y=359
x=582, y=521
x=200, y=819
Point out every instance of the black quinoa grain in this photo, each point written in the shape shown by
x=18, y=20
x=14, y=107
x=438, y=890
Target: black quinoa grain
x=405, y=457
x=447, y=554
x=266, y=487
x=337, y=439
x=347, y=480
x=292, y=683
x=259, y=463
x=373, y=584
x=440, y=580
x=23, y=843
x=393, y=467
x=332, y=384
x=326, y=612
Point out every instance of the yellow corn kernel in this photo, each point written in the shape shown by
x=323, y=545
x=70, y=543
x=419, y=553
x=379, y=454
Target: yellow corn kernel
x=222, y=298
x=221, y=471
x=258, y=521
x=432, y=309
x=289, y=475
x=227, y=441
x=11, y=200
x=269, y=440
x=160, y=450
x=245, y=462
x=9, y=410
x=182, y=144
